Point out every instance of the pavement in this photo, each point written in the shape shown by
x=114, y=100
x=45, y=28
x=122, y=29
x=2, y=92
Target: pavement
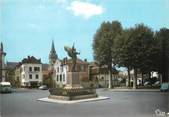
x=72, y=101
x=23, y=103
x=132, y=90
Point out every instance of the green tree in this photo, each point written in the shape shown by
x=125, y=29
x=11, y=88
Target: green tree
x=162, y=58
x=121, y=51
x=103, y=44
x=133, y=50
x=140, y=44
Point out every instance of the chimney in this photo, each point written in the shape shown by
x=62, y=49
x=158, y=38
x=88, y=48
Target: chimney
x=85, y=60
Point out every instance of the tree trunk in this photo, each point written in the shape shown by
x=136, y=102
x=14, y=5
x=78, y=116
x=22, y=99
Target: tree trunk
x=110, y=76
x=135, y=79
x=110, y=80
x=129, y=76
x=142, y=75
x=149, y=75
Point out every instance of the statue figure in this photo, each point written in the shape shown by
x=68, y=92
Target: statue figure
x=73, y=54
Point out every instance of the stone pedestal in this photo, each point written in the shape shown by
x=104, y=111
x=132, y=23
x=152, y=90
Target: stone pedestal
x=73, y=90
x=73, y=81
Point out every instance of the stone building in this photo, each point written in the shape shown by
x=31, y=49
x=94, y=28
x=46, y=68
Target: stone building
x=63, y=67
x=100, y=75
x=29, y=72
x=10, y=73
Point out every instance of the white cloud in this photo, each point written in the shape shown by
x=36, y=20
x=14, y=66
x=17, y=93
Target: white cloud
x=85, y=9
x=61, y=1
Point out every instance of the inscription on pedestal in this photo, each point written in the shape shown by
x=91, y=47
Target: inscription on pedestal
x=73, y=80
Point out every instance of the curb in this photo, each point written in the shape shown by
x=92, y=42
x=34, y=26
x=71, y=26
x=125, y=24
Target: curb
x=132, y=90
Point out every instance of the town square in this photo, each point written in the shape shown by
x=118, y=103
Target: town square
x=84, y=58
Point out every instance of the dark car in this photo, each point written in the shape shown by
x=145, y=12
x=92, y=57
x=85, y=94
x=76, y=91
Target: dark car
x=164, y=87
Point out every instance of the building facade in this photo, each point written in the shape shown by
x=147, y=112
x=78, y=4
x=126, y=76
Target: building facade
x=29, y=72
x=63, y=67
x=2, y=63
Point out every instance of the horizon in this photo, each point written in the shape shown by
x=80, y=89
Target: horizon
x=30, y=26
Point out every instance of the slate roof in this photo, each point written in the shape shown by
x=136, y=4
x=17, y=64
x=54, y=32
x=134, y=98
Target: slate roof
x=31, y=59
x=11, y=65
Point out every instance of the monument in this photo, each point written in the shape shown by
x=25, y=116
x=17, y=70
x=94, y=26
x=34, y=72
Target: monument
x=73, y=81
x=2, y=63
x=73, y=89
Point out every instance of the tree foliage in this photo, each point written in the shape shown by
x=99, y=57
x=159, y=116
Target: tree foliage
x=137, y=48
x=162, y=58
x=103, y=44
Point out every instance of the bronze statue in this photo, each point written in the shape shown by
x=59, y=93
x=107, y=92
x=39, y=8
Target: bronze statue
x=73, y=54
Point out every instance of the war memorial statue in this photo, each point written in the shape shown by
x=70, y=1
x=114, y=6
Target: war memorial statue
x=73, y=54
x=73, y=89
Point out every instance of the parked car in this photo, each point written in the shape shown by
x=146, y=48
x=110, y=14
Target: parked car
x=164, y=87
x=5, y=87
x=147, y=83
x=157, y=83
x=43, y=87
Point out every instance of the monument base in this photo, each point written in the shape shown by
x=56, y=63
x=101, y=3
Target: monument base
x=73, y=87
x=69, y=98
x=73, y=90
x=73, y=81
x=72, y=94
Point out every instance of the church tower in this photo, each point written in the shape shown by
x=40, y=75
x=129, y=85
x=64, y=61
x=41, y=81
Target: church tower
x=52, y=55
x=2, y=63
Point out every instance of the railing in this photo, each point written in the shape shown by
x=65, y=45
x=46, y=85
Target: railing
x=71, y=92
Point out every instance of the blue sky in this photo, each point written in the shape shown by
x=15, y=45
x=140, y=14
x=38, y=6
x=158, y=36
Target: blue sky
x=27, y=27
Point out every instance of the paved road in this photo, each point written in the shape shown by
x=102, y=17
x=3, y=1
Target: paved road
x=23, y=103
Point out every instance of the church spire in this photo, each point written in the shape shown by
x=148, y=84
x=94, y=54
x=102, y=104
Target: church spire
x=53, y=47
x=52, y=56
x=1, y=47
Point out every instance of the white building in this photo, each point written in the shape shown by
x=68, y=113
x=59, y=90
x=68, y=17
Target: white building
x=30, y=72
x=60, y=74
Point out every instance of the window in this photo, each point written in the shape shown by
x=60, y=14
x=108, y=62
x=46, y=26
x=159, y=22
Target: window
x=63, y=77
x=30, y=69
x=57, y=69
x=37, y=76
x=36, y=68
x=67, y=68
x=62, y=69
x=24, y=68
x=60, y=77
x=57, y=77
x=81, y=68
x=30, y=76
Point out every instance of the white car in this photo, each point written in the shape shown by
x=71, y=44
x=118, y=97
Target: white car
x=43, y=87
x=5, y=87
x=147, y=84
x=157, y=83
